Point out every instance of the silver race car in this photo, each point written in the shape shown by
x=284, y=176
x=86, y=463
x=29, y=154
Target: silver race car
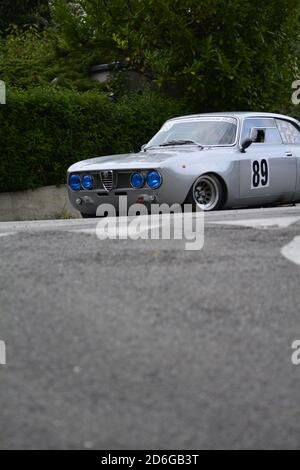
x=213, y=161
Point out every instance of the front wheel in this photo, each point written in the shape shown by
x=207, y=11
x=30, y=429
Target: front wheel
x=207, y=193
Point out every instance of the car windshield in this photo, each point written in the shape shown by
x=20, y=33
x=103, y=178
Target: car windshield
x=203, y=131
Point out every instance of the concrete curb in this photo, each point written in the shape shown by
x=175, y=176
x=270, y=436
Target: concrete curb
x=50, y=202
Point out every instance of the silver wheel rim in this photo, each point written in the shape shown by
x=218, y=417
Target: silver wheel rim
x=206, y=193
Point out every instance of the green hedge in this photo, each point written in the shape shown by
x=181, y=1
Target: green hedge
x=44, y=131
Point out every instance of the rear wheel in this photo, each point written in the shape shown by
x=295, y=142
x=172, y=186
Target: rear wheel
x=207, y=193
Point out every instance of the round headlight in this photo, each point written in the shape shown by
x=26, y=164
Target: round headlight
x=74, y=182
x=153, y=179
x=87, y=182
x=137, y=180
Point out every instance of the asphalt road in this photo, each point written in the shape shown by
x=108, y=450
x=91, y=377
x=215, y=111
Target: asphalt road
x=122, y=345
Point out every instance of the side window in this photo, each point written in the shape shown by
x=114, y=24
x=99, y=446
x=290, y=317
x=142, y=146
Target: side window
x=289, y=132
x=261, y=131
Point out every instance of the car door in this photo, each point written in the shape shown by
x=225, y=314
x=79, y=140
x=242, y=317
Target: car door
x=268, y=168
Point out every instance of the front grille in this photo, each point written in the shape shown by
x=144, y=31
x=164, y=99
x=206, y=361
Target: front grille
x=107, y=179
x=123, y=181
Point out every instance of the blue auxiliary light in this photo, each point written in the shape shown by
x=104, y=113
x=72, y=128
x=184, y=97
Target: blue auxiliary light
x=137, y=180
x=74, y=182
x=87, y=182
x=154, y=179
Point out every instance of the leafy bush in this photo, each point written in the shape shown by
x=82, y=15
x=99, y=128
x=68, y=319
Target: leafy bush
x=43, y=131
x=38, y=58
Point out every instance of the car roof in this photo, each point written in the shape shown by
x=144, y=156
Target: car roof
x=238, y=114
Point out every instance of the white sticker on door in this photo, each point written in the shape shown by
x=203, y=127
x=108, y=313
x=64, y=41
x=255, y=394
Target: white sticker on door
x=260, y=174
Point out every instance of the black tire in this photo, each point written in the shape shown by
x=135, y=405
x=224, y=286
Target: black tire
x=207, y=193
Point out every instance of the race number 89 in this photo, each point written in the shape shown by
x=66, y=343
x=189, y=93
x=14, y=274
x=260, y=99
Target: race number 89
x=260, y=174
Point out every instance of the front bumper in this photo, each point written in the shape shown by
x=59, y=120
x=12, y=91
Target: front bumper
x=173, y=190
x=88, y=202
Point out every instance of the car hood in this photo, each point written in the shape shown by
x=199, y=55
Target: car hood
x=144, y=160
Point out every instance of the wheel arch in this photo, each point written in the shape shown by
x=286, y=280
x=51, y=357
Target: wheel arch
x=218, y=177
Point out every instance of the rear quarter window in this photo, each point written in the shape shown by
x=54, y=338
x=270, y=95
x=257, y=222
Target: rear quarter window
x=289, y=131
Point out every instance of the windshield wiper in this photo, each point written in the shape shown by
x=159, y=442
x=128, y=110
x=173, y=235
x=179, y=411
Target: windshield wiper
x=170, y=143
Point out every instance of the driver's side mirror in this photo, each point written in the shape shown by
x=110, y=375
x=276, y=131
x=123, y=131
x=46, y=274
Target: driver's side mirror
x=143, y=147
x=246, y=144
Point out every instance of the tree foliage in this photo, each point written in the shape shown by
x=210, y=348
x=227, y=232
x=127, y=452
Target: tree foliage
x=36, y=58
x=23, y=13
x=216, y=53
